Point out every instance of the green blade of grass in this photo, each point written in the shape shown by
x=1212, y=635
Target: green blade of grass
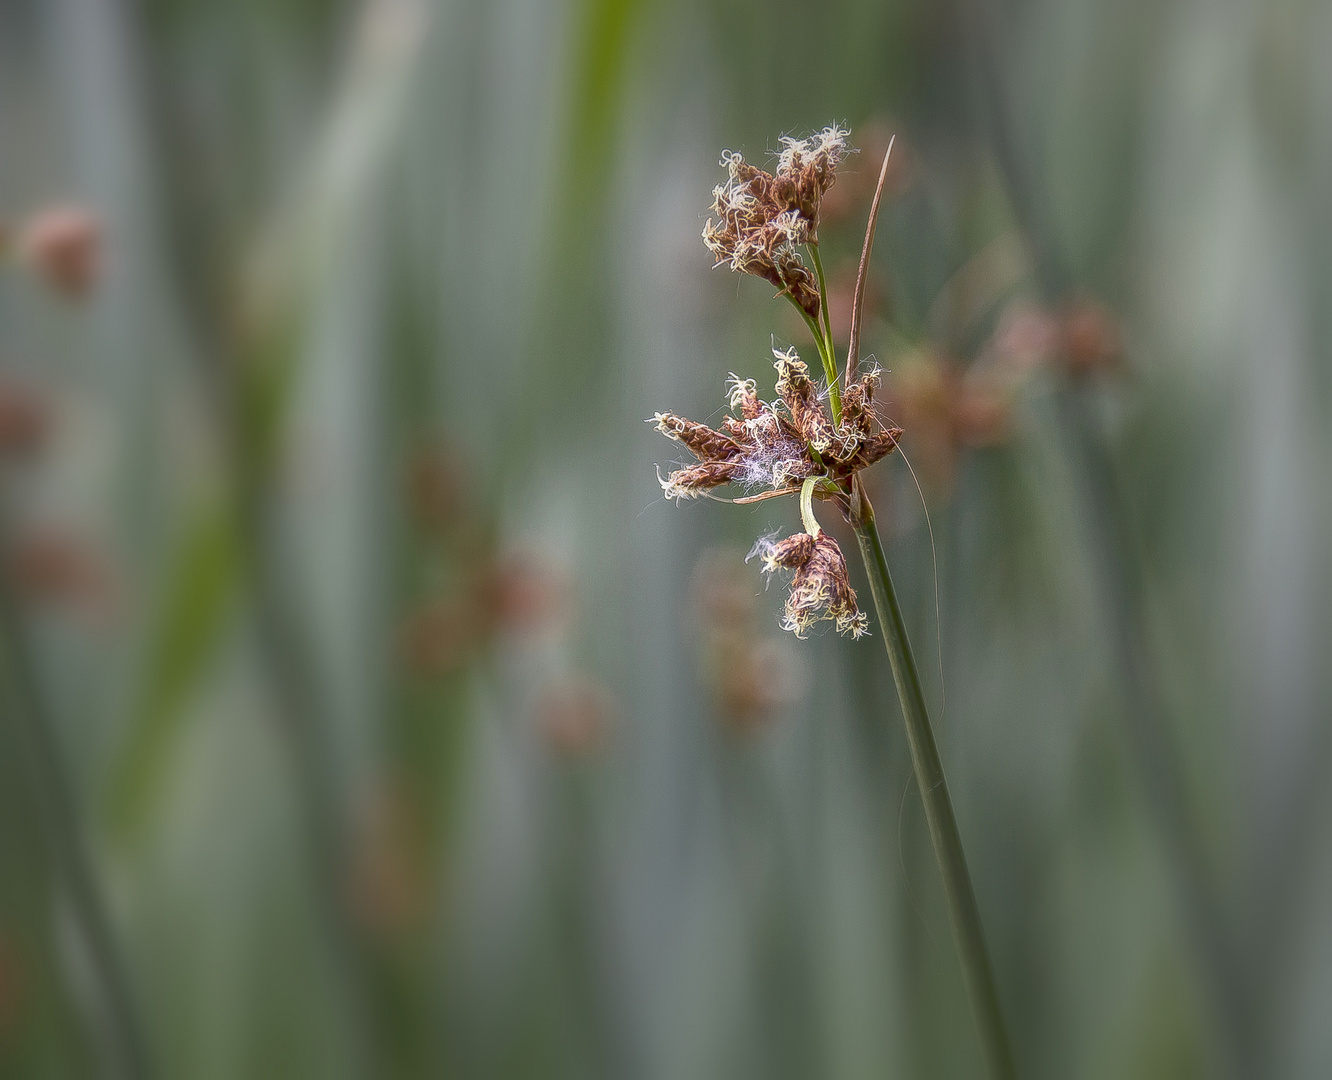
x=197, y=597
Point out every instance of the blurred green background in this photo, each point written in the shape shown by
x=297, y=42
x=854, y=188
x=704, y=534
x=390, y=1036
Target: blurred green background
x=365, y=710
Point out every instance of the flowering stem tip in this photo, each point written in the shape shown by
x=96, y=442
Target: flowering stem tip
x=813, y=441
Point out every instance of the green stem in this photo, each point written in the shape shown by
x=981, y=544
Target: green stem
x=823, y=298
x=302, y=716
x=826, y=356
x=967, y=929
x=829, y=350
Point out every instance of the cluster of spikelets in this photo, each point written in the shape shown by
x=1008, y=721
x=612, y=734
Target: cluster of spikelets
x=762, y=217
x=779, y=444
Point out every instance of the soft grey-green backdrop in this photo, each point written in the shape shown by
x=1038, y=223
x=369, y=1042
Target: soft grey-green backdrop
x=388, y=722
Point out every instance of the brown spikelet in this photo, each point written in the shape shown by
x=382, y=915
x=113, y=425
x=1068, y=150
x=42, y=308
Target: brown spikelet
x=703, y=442
x=799, y=396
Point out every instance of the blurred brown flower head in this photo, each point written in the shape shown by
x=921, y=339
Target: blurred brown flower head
x=519, y=592
x=574, y=714
x=969, y=409
x=820, y=590
x=949, y=410
x=749, y=673
x=1083, y=337
x=63, y=246
x=389, y=884
x=436, y=493
x=1091, y=337
x=752, y=679
x=25, y=420
x=515, y=593
x=762, y=217
x=724, y=598
x=855, y=187
x=780, y=444
x=51, y=565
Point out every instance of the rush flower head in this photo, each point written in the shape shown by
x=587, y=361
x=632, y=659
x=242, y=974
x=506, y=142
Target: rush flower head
x=779, y=444
x=820, y=588
x=763, y=217
x=814, y=437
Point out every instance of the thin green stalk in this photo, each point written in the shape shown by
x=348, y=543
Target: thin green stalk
x=965, y=914
x=823, y=298
x=69, y=847
x=301, y=714
x=826, y=355
x=967, y=929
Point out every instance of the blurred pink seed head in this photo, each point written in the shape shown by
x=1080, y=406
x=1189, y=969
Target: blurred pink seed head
x=63, y=246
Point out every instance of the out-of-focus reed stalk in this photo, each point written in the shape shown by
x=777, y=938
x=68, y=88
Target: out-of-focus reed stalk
x=30, y=713
x=302, y=716
x=1121, y=588
x=62, y=246
x=252, y=330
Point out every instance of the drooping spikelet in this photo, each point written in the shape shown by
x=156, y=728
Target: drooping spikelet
x=820, y=588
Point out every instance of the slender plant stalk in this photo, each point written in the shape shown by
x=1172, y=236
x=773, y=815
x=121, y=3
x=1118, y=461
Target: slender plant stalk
x=831, y=465
x=963, y=911
x=302, y=718
x=31, y=715
x=965, y=915
x=826, y=356
x=823, y=308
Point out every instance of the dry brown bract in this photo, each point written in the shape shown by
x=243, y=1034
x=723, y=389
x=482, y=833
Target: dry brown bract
x=763, y=216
